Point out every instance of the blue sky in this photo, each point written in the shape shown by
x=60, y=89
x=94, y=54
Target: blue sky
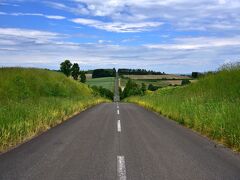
x=174, y=36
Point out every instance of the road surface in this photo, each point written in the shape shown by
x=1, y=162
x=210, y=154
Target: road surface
x=119, y=141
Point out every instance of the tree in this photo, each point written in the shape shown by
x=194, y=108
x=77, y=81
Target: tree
x=185, y=82
x=151, y=87
x=114, y=72
x=143, y=88
x=195, y=74
x=75, y=71
x=103, y=92
x=98, y=73
x=131, y=89
x=65, y=67
x=83, y=77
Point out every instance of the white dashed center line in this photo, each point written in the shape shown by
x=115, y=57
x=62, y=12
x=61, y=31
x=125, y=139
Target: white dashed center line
x=119, y=125
x=118, y=112
x=121, y=169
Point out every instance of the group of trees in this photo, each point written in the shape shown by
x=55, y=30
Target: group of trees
x=73, y=70
x=132, y=89
x=98, y=73
x=138, y=72
x=99, y=90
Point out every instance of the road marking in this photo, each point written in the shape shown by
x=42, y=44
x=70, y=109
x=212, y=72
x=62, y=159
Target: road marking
x=119, y=126
x=118, y=107
x=121, y=169
x=118, y=112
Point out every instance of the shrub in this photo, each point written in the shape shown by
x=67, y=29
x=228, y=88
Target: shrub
x=185, y=82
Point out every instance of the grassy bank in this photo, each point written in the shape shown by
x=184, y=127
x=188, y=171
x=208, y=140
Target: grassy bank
x=106, y=82
x=210, y=106
x=33, y=100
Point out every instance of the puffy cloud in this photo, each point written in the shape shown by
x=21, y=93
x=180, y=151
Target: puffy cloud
x=181, y=14
x=118, y=26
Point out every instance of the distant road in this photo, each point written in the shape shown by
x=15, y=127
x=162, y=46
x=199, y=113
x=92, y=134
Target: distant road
x=119, y=141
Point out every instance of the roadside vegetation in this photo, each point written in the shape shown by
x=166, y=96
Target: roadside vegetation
x=210, y=106
x=33, y=100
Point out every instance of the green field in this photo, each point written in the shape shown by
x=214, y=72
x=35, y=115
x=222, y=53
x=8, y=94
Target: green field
x=155, y=82
x=33, y=100
x=157, y=77
x=107, y=82
x=210, y=106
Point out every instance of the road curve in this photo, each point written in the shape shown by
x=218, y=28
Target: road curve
x=119, y=141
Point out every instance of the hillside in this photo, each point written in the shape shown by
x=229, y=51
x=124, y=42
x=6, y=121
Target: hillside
x=33, y=100
x=210, y=106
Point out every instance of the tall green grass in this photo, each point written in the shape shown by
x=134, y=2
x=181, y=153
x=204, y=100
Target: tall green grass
x=210, y=106
x=33, y=100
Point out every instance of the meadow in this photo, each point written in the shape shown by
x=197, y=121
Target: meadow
x=106, y=82
x=34, y=100
x=210, y=106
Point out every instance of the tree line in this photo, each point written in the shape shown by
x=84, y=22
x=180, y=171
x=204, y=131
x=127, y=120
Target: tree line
x=99, y=73
x=138, y=72
x=73, y=70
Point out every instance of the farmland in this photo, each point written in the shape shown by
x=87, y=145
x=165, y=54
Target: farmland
x=106, y=82
x=210, y=106
x=33, y=100
x=158, y=77
x=156, y=80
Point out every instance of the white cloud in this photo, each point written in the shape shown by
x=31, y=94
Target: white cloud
x=34, y=14
x=181, y=14
x=101, y=41
x=118, y=26
x=22, y=37
x=197, y=43
x=46, y=49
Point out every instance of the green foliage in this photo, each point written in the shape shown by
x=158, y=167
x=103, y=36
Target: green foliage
x=138, y=72
x=106, y=93
x=99, y=73
x=152, y=87
x=131, y=89
x=75, y=71
x=185, y=82
x=114, y=72
x=33, y=100
x=210, y=106
x=65, y=67
x=143, y=88
x=195, y=74
x=83, y=77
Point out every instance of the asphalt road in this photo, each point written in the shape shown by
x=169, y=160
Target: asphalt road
x=124, y=141
x=119, y=141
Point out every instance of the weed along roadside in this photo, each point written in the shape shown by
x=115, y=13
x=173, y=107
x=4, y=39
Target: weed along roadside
x=210, y=106
x=33, y=100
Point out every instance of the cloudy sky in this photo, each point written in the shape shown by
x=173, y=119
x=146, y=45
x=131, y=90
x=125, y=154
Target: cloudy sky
x=174, y=36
